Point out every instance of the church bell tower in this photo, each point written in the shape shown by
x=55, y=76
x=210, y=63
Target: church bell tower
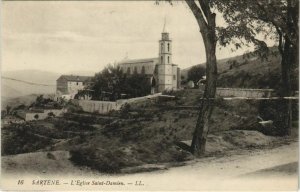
x=165, y=74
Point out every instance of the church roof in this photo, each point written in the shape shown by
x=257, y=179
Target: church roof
x=132, y=61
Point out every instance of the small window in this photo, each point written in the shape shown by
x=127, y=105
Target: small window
x=168, y=59
x=77, y=83
x=168, y=47
x=143, y=70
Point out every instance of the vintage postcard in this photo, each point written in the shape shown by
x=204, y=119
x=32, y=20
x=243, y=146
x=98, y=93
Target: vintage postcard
x=191, y=95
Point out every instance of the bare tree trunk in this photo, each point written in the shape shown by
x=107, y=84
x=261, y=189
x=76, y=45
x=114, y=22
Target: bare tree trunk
x=288, y=48
x=207, y=102
x=286, y=113
x=207, y=23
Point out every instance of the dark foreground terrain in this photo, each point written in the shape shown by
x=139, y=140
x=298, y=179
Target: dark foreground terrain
x=141, y=137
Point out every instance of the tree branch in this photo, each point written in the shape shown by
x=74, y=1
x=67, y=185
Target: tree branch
x=204, y=8
x=198, y=14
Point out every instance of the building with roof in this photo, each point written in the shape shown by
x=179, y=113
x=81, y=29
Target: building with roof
x=163, y=73
x=67, y=86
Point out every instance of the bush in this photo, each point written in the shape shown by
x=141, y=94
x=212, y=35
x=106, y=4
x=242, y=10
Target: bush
x=22, y=139
x=107, y=161
x=73, y=108
x=125, y=110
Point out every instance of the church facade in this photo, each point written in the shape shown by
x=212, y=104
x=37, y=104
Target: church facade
x=163, y=73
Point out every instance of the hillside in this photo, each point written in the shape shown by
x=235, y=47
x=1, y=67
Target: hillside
x=31, y=82
x=21, y=100
x=250, y=71
x=27, y=82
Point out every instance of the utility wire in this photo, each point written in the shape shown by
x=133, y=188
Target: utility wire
x=27, y=82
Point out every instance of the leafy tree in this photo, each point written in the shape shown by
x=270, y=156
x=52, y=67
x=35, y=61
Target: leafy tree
x=245, y=19
x=196, y=73
x=113, y=82
x=110, y=79
x=40, y=101
x=206, y=19
x=277, y=19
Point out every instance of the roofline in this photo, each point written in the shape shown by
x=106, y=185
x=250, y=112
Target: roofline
x=64, y=77
x=131, y=61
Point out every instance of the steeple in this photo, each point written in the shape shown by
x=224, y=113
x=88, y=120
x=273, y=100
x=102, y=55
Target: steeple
x=165, y=21
x=165, y=65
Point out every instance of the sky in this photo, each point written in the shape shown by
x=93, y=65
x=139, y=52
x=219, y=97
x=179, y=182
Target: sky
x=66, y=36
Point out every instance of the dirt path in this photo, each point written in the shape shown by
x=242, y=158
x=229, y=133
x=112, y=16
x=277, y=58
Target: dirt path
x=265, y=169
x=271, y=169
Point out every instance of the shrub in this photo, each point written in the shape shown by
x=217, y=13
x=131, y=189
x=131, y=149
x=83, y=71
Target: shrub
x=125, y=110
x=108, y=161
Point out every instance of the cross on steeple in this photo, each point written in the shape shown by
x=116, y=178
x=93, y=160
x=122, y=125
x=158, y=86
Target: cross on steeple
x=165, y=21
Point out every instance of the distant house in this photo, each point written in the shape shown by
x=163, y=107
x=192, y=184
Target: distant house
x=67, y=86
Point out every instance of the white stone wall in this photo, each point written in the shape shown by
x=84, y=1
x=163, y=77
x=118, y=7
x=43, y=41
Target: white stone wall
x=101, y=107
x=29, y=116
x=104, y=107
x=249, y=93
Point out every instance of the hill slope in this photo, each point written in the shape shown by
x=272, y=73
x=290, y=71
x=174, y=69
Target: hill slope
x=28, y=84
x=250, y=71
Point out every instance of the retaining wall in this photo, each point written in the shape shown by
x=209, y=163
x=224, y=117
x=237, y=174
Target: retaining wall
x=104, y=107
x=249, y=93
x=29, y=115
x=101, y=107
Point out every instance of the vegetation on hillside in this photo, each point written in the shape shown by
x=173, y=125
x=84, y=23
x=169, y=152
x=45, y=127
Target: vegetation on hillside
x=149, y=133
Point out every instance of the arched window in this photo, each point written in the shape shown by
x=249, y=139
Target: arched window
x=143, y=70
x=168, y=47
x=168, y=59
x=128, y=70
x=162, y=47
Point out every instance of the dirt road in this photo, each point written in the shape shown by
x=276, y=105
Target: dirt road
x=265, y=169
x=271, y=169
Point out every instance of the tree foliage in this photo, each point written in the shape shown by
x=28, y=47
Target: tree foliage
x=111, y=83
x=196, y=73
x=276, y=19
x=245, y=21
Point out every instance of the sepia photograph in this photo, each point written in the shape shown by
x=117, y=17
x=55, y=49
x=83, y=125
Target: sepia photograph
x=158, y=95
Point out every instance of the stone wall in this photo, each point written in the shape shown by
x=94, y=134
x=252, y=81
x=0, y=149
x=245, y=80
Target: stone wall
x=104, y=107
x=249, y=93
x=30, y=115
x=101, y=107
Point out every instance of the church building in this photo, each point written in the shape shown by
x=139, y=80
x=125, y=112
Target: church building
x=163, y=73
